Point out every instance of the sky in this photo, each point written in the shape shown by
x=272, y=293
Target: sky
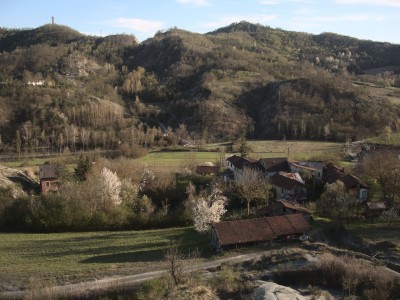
x=377, y=20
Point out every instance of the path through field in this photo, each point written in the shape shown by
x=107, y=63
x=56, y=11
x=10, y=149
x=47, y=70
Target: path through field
x=87, y=288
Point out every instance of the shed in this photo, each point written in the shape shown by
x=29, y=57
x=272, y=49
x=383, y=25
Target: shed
x=48, y=178
x=375, y=209
x=206, y=170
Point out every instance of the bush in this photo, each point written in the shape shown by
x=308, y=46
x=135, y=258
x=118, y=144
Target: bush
x=356, y=275
x=153, y=289
x=131, y=151
x=227, y=279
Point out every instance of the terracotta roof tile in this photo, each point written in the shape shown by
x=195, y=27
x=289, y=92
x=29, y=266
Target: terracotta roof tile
x=47, y=171
x=277, y=205
x=294, y=206
x=259, y=230
x=207, y=169
x=244, y=231
x=281, y=225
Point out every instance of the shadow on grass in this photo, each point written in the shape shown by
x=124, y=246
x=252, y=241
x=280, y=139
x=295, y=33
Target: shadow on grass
x=191, y=240
x=106, y=249
x=126, y=257
x=187, y=242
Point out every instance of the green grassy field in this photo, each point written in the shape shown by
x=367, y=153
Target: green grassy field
x=176, y=158
x=297, y=149
x=30, y=162
x=60, y=258
x=376, y=232
x=172, y=161
x=393, y=139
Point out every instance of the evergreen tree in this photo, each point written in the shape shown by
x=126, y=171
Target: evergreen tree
x=18, y=143
x=83, y=167
x=244, y=148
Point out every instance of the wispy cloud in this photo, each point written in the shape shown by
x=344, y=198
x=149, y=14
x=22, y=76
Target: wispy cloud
x=269, y=2
x=390, y=3
x=140, y=25
x=195, y=2
x=227, y=20
x=355, y=18
x=304, y=11
x=275, y=2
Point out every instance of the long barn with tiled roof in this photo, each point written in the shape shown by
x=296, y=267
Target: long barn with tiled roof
x=241, y=232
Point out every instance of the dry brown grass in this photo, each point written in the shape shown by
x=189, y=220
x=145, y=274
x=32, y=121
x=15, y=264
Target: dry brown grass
x=356, y=275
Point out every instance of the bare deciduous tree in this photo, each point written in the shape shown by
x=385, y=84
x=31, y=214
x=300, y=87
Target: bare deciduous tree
x=384, y=167
x=175, y=265
x=253, y=186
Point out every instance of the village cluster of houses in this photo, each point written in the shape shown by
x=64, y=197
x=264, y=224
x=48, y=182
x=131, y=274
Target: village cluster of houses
x=287, y=217
x=284, y=175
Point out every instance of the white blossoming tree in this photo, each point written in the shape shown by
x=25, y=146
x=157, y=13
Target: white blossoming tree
x=208, y=209
x=110, y=186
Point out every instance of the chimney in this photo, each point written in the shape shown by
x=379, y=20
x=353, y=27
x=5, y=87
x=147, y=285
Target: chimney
x=52, y=20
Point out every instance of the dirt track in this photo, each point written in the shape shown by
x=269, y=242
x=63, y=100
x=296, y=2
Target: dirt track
x=86, y=288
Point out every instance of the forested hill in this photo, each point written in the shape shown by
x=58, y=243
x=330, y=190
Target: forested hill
x=241, y=79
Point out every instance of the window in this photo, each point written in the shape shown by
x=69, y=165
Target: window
x=364, y=194
x=47, y=183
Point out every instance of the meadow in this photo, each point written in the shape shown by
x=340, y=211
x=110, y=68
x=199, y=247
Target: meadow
x=176, y=160
x=61, y=258
x=295, y=149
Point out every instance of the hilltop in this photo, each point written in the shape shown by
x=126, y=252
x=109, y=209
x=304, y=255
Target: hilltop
x=241, y=79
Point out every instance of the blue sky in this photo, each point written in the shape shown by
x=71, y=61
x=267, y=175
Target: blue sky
x=377, y=20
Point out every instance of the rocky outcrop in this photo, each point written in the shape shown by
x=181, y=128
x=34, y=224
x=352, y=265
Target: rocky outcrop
x=273, y=291
x=16, y=181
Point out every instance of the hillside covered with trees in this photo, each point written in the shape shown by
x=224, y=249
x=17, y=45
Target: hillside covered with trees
x=62, y=90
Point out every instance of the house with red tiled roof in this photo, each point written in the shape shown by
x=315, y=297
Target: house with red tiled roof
x=284, y=207
x=353, y=184
x=207, y=170
x=48, y=178
x=241, y=232
x=288, y=184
